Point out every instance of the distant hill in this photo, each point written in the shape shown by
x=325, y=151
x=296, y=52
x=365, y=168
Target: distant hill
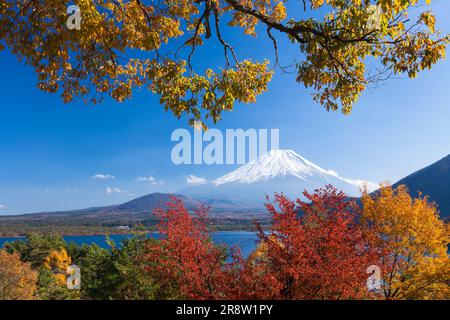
x=137, y=209
x=433, y=181
x=238, y=197
x=235, y=199
x=100, y=220
x=150, y=202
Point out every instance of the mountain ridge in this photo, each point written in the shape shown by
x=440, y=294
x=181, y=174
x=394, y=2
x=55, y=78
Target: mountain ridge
x=433, y=181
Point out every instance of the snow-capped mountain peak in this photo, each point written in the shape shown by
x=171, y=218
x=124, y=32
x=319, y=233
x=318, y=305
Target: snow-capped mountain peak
x=274, y=172
x=275, y=163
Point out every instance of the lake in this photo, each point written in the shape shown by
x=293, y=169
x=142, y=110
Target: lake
x=246, y=241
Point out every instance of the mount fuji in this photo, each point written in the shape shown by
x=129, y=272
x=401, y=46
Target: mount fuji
x=234, y=199
x=276, y=171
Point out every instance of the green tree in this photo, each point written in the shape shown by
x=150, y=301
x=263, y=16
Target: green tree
x=116, y=272
x=40, y=252
x=35, y=248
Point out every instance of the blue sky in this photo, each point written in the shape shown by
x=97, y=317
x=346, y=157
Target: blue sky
x=50, y=151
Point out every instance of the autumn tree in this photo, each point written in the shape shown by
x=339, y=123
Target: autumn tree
x=123, y=45
x=58, y=262
x=414, y=244
x=48, y=256
x=36, y=248
x=316, y=249
x=17, y=279
x=185, y=261
x=253, y=278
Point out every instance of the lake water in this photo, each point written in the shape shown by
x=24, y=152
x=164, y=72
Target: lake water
x=246, y=241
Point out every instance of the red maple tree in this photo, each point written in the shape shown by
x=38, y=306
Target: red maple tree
x=316, y=249
x=186, y=260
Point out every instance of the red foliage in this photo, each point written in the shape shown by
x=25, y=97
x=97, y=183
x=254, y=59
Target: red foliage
x=186, y=260
x=317, y=249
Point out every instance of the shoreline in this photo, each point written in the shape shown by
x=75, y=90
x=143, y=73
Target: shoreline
x=8, y=236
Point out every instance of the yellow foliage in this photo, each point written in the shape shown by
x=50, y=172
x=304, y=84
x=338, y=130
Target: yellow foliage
x=123, y=45
x=58, y=261
x=17, y=279
x=279, y=12
x=261, y=250
x=414, y=244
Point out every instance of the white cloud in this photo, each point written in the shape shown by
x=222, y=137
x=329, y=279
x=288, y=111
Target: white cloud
x=110, y=190
x=103, y=176
x=194, y=180
x=113, y=190
x=2, y=206
x=371, y=186
x=150, y=179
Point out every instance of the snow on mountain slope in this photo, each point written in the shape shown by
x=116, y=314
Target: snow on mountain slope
x=273, y=164
x=276, y=171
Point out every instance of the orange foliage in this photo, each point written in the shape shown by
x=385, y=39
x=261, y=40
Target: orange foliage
x=17, y=279
x=413, y=241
